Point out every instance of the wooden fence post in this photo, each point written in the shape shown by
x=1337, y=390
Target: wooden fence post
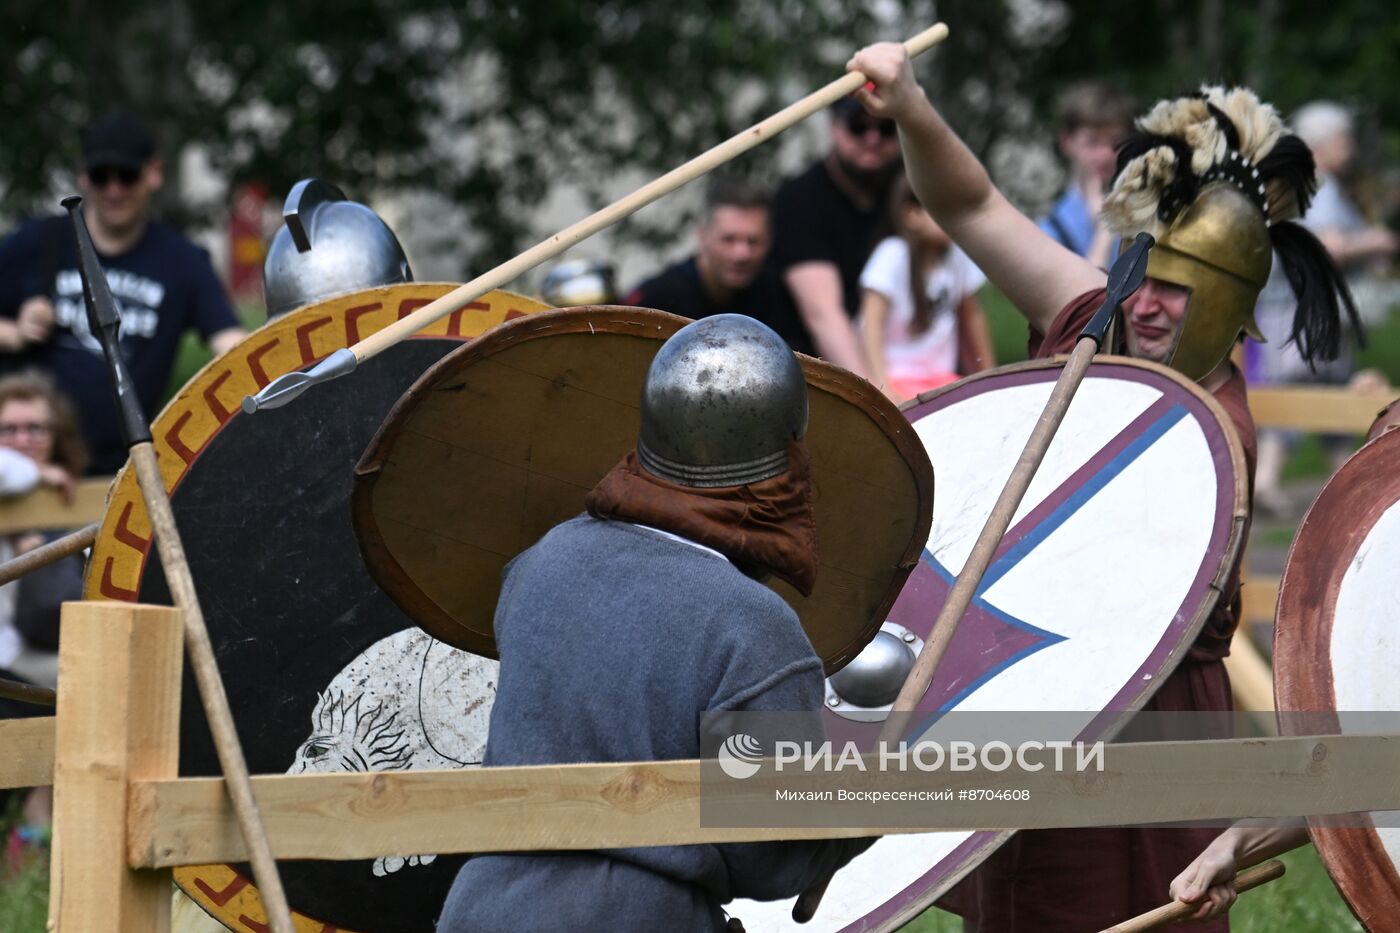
x=118, y=721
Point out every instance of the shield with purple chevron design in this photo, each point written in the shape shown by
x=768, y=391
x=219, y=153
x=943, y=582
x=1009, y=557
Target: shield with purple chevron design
x=1110, y=567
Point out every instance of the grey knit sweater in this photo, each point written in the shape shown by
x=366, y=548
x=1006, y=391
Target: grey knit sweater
x=613, y=641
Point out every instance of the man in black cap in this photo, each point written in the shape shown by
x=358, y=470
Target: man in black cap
x=827, y=221
x=164, y=285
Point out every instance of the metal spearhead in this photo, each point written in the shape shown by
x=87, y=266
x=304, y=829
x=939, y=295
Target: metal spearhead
x=105, y=323
x=285, y=388
x=1123, y=279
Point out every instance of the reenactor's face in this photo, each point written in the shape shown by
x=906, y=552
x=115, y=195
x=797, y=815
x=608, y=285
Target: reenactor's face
x=1153, y=316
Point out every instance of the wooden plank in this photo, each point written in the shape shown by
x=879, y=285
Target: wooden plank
x=45, y=509
x=1314, y=408
x=118, y=721
x=365, y=815
x=28, y=757
x=1259, y=597
x=1251, y=678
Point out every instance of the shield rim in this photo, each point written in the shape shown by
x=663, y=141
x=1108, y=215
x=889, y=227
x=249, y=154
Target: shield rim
x=980, y=848
x=1332, y=530
x=191, y=419
x=646, y=323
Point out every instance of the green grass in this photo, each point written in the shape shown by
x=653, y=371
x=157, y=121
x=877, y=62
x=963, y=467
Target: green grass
x=1383, y=348
x=24, y=894
x=1302, y=901
x=1007, y=326
x=24, y=899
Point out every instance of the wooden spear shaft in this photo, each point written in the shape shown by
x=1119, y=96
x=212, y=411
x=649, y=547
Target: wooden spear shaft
x=46, y=554
x=700, y=165
x=965, y=586
x=27, y=693
x=980, y=558
x=104, y=322
x=211, y=687
x=1176, y=910
x=285, y=388
x=13, y=569
x=1126, y=276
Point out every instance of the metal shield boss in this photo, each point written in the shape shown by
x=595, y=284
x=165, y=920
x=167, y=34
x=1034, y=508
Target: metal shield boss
x=1218, y=247
x=722, y=400
x=328, y=246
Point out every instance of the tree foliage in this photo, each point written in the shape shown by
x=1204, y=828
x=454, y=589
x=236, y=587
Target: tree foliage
x=493, y=104
x=486, y=103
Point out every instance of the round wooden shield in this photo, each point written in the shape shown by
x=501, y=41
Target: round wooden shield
x=1109, y=569
x=1336, y=635
x=323, y=671
x=502, y=440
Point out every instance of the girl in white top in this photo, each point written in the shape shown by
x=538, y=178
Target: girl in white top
x=918, y=317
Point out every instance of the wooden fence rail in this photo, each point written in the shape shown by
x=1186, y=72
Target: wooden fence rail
x=593, y=806
x=122, y=817
x=1323, y=409
x=44, y=509
x=27, y=757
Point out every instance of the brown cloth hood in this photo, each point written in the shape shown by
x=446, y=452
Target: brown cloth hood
x=767, y=526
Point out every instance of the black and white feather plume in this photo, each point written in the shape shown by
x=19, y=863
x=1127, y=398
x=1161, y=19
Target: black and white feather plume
x=1228, y=135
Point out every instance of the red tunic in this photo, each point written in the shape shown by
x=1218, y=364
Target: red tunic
x=1073, y=880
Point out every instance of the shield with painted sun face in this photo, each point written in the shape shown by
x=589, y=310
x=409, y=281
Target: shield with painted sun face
x=1110, y=567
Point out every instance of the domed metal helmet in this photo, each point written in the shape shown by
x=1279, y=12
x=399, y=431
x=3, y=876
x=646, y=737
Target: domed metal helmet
x=328, y=246
x=580, y=282
x=1215, y=178
x=723, y=399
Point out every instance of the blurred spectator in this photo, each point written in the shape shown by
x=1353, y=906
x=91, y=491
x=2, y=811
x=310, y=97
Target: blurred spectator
x=827, y=221
x=919, y=320
x=164, y=285
x=40, y=444
x=1357, y=246
x=730, y=272
x=1094, y=118
x=1348, y=236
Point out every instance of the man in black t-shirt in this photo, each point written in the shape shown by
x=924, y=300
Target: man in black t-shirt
x=164, y=286
x=827, y=221
x=730, y=272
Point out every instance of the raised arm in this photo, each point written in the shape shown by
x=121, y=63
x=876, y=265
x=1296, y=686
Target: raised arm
x=1038, y=274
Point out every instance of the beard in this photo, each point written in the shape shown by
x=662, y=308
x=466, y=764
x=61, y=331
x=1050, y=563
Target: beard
x=871, y=181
